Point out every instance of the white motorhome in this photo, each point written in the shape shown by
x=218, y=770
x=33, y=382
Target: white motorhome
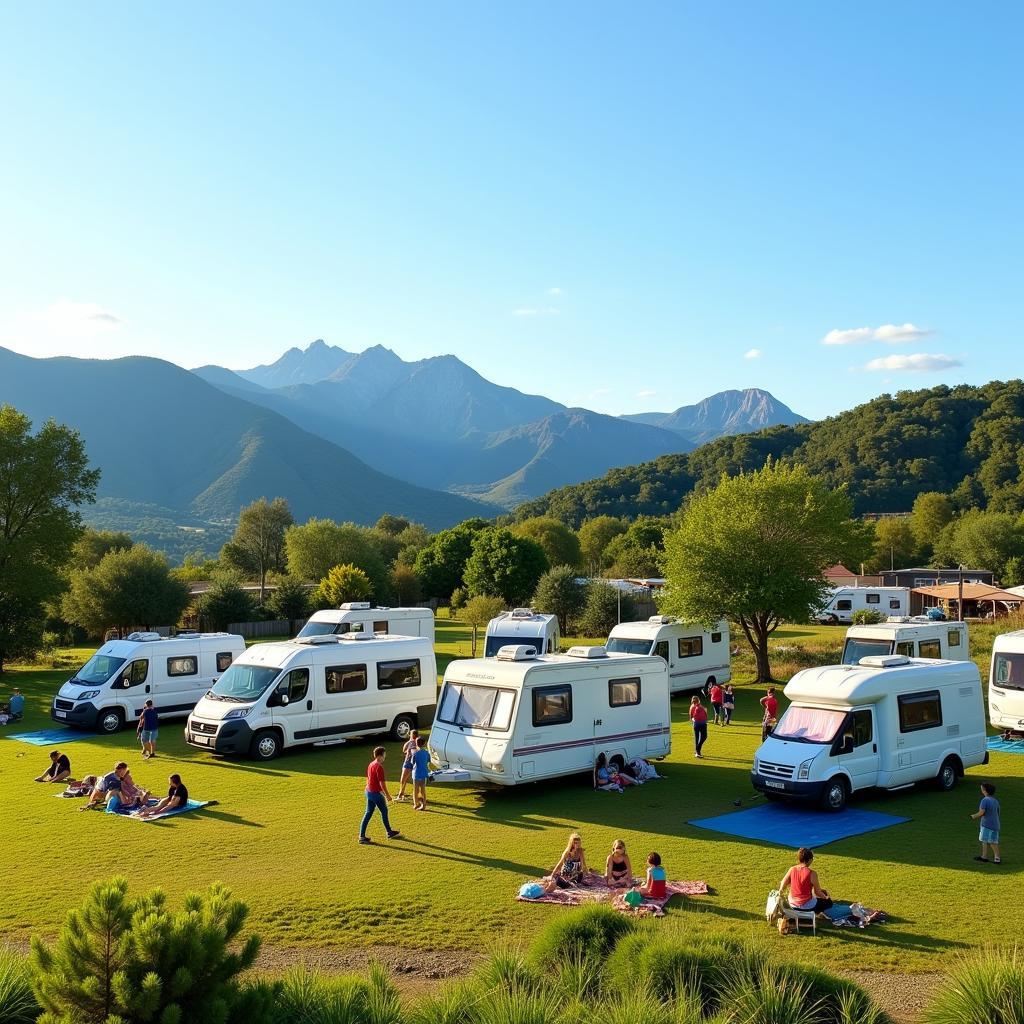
x=522, y=626
x=844, y=601
x=1006, y=683
x=696, y=657
x=111, y=688
x=362, y=617
x=889, y=722
x=520, y=717
x=914, y=638
x=317, y=690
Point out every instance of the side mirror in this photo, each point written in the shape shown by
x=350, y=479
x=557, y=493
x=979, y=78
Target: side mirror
x=284, y=699
x=126, y=682
x=847, y=745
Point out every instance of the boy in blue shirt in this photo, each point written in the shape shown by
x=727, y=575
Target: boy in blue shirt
x=988, y=812
x=420, y=774
x=17, y=705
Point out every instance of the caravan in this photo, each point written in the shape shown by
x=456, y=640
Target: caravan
x=520, y=717
x=696, y=657
x=844, y=601
x=522, y=626
x=914, y=638
x=111, y=688
x=1006, y=683
x=361, y=617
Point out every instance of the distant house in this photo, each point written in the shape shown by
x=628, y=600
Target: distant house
x=925, y=577
x=839, y=576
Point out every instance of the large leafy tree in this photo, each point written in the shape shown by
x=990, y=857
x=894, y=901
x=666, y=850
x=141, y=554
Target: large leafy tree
x=319, y=545
x=931, y=512
x=478, y=611
x=90, y=548
x=223, y=604
x=560, y=593
x=505, y=565
x=755, y=549
x=441, y=563
x=595, y=535
x=44, y=477
x=605, y=606
x=258, y=547
x=984, y=540
x=895, y=545
x=342, y=584
x=559, y=542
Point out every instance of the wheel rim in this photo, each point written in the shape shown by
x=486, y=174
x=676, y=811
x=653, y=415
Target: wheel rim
x=948, y=776
x=835, y=796
x=403, y=728
x=267, y=746
x=110, y=722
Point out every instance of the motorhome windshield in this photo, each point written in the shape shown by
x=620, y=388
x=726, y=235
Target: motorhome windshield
x=809, y=725
x=495, y=643
x=1008, y=671
x=98, y=669
x=312, y=628
x=243, y=683
x=856, y=648
x=476, y=707
x=627, y=645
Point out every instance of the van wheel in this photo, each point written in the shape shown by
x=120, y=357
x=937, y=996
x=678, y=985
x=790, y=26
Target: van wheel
x=266, y=745
x=111, y=720
x=402, y=727
x=835, y=795
x=948, y=775
x=833, y=620
x=617, y=763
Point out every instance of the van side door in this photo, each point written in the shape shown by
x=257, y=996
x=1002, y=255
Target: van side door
x=178, y=691
x=858, y=748
x=133, y=684
x=297, y=715
x=346, y=706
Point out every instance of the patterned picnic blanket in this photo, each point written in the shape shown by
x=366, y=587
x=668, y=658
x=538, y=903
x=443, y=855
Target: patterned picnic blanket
x=594, y=890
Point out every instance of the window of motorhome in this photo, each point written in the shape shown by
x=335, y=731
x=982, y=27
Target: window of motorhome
x=1009, y=671
x=691, y=646
x=495, y=644
x=312, y=628
x=660, y=649
x=809, y=725
x=224, y=659
x=716, y=638
x=861, y=728
x=844, y=606
x=98, y=669
x=919, y=710
x=894, y=604
x=872, y=598
x=138, y=672
x=953, y=638
x=929, y=649
x=243, y=683
x=477, y=707
x=552, y=705
x=623, y=692
x=854, y=649
x=295, y=684
x=627, y=645
x=188, y=666
x=393, y=675
x=345, y=678
x=380, y=627
x=906, y=648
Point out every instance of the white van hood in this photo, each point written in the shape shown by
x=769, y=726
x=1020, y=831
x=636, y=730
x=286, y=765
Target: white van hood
x=210, y=709
x=788, y=752
x=73, y=690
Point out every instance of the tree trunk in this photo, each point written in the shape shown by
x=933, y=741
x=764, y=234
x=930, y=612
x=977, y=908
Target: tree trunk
x=473, y=655
x=756, y=631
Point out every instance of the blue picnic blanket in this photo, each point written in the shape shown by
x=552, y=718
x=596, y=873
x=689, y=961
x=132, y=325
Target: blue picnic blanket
x=49, y=737
x=1005, y=746
x=192, y=805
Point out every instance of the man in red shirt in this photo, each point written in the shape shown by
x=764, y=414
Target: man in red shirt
x=715, y=693
x=377, y=796
x=771, y=706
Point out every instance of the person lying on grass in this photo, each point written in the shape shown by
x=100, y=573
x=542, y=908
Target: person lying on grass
x=618, y=872
x=177, y=797
x=805, y=891
x=59, y=770
x=570, y=869
x=106, y=786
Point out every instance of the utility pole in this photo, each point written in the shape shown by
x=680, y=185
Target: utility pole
x=960, y=594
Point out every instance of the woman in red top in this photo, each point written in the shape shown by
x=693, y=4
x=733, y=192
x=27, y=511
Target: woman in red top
x=377, y=796
x=699, y=717
x=804, y=891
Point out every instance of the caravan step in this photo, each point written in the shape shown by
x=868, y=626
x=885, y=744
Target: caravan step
x=328, y=743
x=450, y=775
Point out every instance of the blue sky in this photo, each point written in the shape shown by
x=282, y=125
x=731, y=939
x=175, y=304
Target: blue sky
x=624, y=206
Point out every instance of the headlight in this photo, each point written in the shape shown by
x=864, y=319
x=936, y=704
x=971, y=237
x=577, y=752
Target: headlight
x=994, y=706
x=494, y=768
x=238, y=713
x=757, y=767
x=805, y=769
x=88, y=694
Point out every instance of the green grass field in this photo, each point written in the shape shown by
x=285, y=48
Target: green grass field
x=283, y=837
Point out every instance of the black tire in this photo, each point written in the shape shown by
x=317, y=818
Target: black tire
x=949, y=775
x=617, y=763
x=833, y=620
x=401, y=727
x=266, y=745
x=835, y=794
x=110, y=720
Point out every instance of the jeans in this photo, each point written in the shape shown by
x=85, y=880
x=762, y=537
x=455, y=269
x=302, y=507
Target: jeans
x=375, y=801
x=728, y=712
x=700, y=734
x=719, y=712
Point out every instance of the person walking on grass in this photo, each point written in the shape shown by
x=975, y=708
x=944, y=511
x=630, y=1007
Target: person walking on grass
x=377, y=796
x=408, y=749
x=717, y=697
x=988, y=835
x=146, y=731
x=728, y=702
x=699, y=717
x=420, y=774
x=770, y=704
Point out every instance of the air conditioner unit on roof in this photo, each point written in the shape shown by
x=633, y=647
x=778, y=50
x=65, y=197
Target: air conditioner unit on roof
x=318, y=641
x=587, y=652
x=143, y=636
x=884, y=660
x=661, y=620
x=363, y=634
x=522, y=613
x=516, y=652
x=355, y=606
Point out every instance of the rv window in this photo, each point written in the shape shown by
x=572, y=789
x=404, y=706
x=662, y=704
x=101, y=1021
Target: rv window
x=623, y=693
x=953, y=638
x=929, y=649
x=477, y=707
x=380, y=627
x=906, y=648
x=183, y=666
x=855, y=648
x=98, y=669
x=393, y=675
x=716, y=638
x=661, y=649
x=691, y=646
x=920, y=711
x=872, y=598
x=844, y=606
x=448, y=703
x=243, y=683
x=629, y=645
x=552, y=705
x=895, y=604
x=1008, y=671
x=345, y=678
x=295, y=684
x=312, y=628
x=861, y=728
x=808, y=725
x=224, y=659
x=138, y=672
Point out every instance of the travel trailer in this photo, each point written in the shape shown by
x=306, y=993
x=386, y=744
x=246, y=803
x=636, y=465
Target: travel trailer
x=520, y=717
x=317, y=690
x=522, y=626
x=111, y=688
x=915, y=638
x=844, y=601
x=360, y=617
x=696, y=657
x=1006, y=683
x=889, y=722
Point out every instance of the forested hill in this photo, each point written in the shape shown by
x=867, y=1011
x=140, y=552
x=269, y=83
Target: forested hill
x=966, y=441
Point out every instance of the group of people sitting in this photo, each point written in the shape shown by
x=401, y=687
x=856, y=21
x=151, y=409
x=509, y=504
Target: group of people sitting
x=13, y=710
x=571, y=871
x=615, y=776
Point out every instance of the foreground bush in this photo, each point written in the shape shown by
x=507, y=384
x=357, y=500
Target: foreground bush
x=17, y=1003
x=987, y=988
x=308, y=997
x=589, y=933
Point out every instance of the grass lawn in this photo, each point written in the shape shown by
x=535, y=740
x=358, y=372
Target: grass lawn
x=283, y=837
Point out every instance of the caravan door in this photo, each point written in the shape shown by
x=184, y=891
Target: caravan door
x=296, y=717
x=858, y=745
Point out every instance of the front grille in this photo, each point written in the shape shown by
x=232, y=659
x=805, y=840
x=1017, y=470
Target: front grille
x=775, y=771
x=63, y=705
x=205, y=727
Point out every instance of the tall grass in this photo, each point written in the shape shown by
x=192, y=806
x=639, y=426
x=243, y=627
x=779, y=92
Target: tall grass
x=309, y=997
x=986, y=988
x=17, y=1003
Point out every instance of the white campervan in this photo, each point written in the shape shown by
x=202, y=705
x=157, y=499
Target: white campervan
x=696, y=657
x=914, y=638
x=1006, y=683
x=844, y=601
x=889, y=722
x=111, y=688
x=522, y=626
x=362, y=617
x=520, y=717
x=318, y=689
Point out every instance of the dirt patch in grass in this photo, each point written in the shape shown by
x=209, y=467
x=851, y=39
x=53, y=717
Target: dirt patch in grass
x=902, y=996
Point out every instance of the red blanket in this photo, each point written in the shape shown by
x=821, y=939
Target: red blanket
x=594, y=890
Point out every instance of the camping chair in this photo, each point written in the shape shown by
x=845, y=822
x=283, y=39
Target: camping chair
x=777, y=907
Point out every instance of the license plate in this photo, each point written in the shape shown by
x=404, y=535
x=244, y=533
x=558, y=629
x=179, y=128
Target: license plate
x=772, y=784
x=205, y=740
x=61, y=714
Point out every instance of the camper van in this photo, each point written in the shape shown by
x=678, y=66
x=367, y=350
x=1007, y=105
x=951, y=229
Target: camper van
x=915, y=638
x=520, y=717
x=361, y=617
x=317, y=690
x=1006, y=683
x=111, y=688
x=844, y=601
x=889, y=721
x=696, y=657
x=522, y=626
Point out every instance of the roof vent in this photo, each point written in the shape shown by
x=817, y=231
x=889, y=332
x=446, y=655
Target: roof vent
x=587, y=652
x=318, y=641
x=660, y=620
x=354, y=606
x=900, y=618
x=143, y=636
x=186, y=633
x=516, y=652
x=522, y=613
x=884, y=660
x=363, y=634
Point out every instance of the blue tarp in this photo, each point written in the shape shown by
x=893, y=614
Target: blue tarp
x=192, y=805
x=48, y=737
x=1005, y=746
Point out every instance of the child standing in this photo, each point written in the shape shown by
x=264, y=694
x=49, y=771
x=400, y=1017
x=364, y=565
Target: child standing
x=771, y=706
x=420, y=774
x=988, y=812
x=408, y=749
x=147, y=731
x=728, y=702
x=377, y=796
x=715, y=693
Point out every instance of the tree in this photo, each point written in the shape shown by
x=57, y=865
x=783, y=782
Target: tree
x=605, y=607
x=595, y=535
x=257, y=546
x=127, y=588
x=931, y=512
x=406, y=584
x=559, y=542
x=559, y=593
x=44, y=477
x=504, y=564
x=755, y=548
x=120, y=961
x=478, y=611
x=342, y=583
x=290, y=599
x=441, y=564
x=392, y=525
x=983, y=540
x=320, y=544
x=637, y=553
x=895, y=546
x=224, y=603
x=90, y=548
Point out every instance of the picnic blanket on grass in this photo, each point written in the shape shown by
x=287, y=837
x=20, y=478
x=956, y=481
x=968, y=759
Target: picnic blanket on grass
x=192, y=805
x=48, y=737
x=854, y=915
x=596, y=891
x=1005, y=746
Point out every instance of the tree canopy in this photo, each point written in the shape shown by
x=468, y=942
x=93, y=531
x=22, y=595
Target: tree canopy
x=258, y=547
x=559, y=543
x=504, y=565
x=320, y=544
x=441, y=563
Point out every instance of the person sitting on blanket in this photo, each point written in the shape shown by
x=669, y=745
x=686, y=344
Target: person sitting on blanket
x=83, y=788
x=16, y=706
x=130, y=797
x=618, y=872
x=570, y=869
x=177, y=797
x=59, y=770
x=106, y=786
x=654, y=887
x=606, y=776
x=805, y=892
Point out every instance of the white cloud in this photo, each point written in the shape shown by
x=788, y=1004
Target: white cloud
x=554, y=291
x=752, y=353
x=891, y=334
x=73, y=319
x=533, y=311
x=921, y=362
x=646, y=393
